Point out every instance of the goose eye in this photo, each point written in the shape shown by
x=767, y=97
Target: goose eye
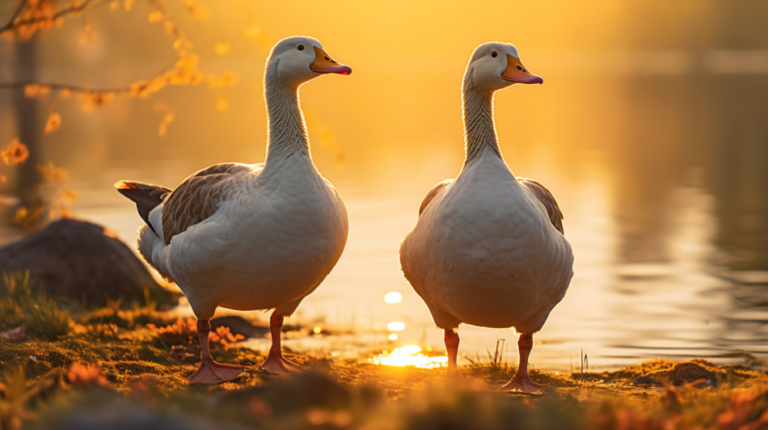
x=494, y=54
x=301, y=47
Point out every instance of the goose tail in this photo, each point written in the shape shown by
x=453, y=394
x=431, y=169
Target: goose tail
x=149, y=201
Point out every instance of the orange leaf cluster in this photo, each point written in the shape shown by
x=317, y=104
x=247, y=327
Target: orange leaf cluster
x=224, y=337
x=14, y=153
x=53, y=123
x=184, y=331
x=34, y=90
x=35, y=16
x=81, y=375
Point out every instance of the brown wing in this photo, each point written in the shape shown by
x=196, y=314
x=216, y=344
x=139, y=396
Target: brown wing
x=197, y=198
x=547, y=199
x=432, y=193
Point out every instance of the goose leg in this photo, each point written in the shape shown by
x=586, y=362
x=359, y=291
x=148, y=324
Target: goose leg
x=275, y=362
x=452, y=349
x=522, y=381
x=211, y=372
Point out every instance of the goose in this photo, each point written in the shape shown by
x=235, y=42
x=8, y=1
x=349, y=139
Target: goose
x=251, y=236
x=488, y=248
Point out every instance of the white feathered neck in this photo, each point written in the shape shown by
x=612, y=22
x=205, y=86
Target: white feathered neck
x=479, y=123
x=286, y=128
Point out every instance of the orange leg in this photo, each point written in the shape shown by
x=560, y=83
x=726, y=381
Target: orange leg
x=522, y=381
x=211, y=372
x=275, y=362
x=452, y=349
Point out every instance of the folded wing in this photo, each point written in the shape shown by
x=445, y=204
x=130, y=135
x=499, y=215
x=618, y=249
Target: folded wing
x=198, y=197
x=547, y=199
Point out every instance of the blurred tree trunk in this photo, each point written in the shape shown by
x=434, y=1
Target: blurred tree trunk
x=27, y=129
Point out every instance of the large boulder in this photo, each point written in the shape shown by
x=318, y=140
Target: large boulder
x=83, y=262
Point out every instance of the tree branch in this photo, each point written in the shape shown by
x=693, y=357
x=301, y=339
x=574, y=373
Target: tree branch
x=11, y=25
x=80, y=88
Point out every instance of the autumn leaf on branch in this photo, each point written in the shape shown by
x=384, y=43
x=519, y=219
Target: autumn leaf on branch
x=53, y=123
x=14, y=153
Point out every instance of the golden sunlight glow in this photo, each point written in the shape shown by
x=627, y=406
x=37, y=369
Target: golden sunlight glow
x=396, y=326
x=317, y=330
x=393, y=297
x=409, y=355
x=392, y=337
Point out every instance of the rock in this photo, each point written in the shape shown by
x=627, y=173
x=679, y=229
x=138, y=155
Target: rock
x=83, y=262
x=239, y=325
x=681, y=374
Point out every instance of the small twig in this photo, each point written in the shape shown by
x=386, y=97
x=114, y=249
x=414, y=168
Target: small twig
x=22, y=4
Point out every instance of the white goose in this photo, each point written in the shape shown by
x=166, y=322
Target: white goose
x=488, y=248
x=250, y=237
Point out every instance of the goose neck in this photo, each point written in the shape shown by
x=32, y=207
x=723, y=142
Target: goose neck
x=479, y=126
x=287, y=130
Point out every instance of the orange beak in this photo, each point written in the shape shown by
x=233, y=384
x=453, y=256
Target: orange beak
x=325, y=64
x=517, y=73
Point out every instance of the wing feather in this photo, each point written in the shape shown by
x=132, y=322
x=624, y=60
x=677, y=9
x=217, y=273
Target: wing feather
x=547, y=199
x=433, y=193
x=197, y=198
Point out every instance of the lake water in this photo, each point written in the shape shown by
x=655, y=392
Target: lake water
x=657, y=158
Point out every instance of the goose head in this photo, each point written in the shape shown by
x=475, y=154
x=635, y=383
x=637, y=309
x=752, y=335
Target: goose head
x=495, y=65
x=299, y=59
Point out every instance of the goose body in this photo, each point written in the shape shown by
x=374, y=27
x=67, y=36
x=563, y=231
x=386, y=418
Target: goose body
x=488, y=248
x=485, y=252
x=275, y=235
x=251, y=237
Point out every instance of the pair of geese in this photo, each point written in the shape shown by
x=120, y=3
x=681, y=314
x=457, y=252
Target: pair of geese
x=488, y=248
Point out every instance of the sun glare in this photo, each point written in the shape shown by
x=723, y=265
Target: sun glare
x=409, y=355
x=393, y=297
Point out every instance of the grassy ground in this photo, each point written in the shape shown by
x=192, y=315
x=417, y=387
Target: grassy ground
x=126, y=368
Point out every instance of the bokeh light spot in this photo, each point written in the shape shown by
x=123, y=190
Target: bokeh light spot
x=393, y=297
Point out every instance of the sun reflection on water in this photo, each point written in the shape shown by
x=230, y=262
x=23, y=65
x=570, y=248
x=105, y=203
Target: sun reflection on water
x=409, y=355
